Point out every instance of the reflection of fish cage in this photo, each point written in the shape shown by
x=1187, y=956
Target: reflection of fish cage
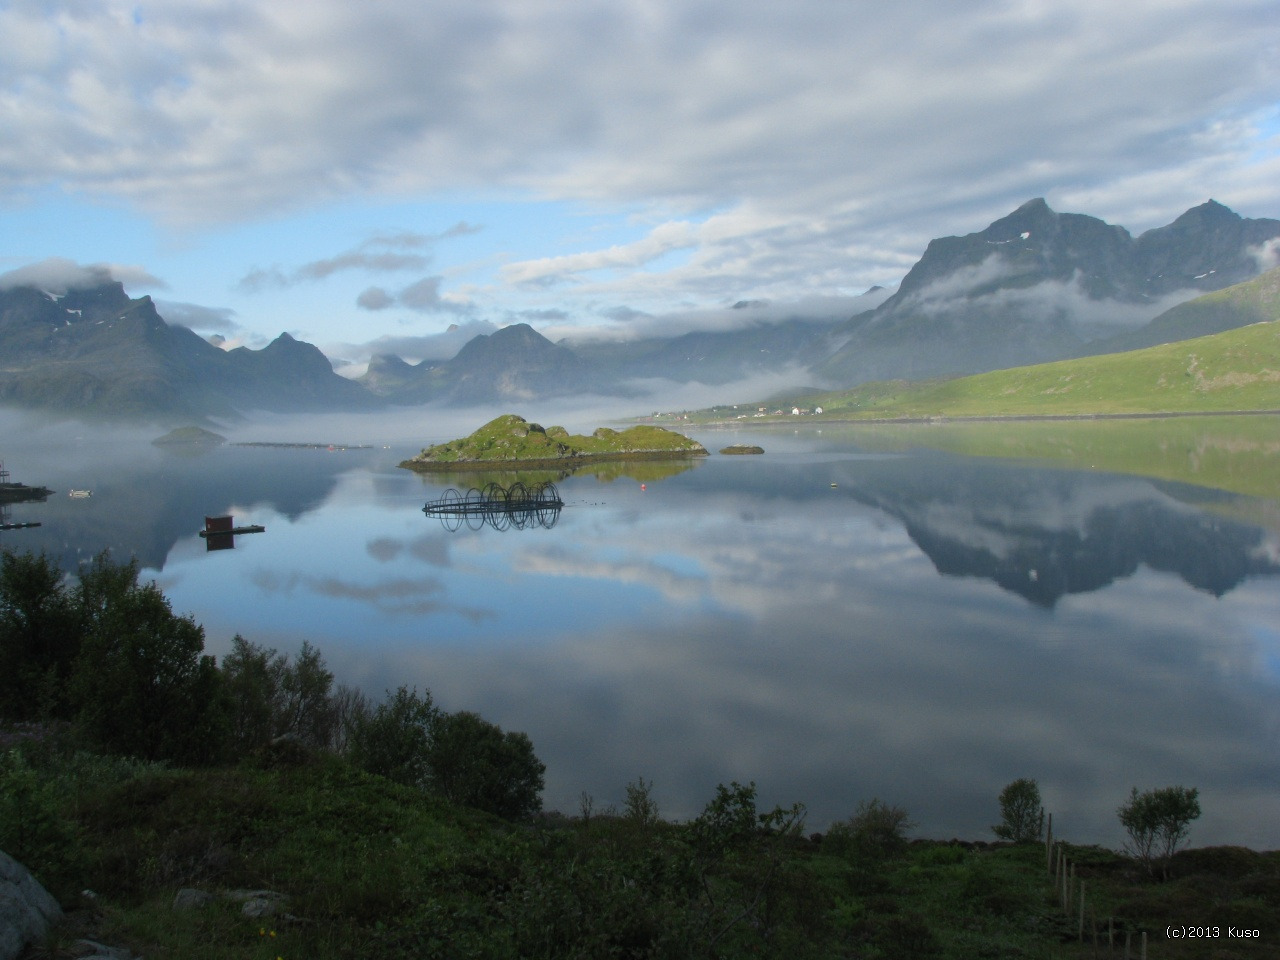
x=518, y=506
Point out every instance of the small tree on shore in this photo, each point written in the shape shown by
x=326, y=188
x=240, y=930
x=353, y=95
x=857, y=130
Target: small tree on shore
x=1157, y=821
x=1021, y=814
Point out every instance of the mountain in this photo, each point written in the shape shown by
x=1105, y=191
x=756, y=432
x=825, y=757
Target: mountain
x=95, y=352
x=1034, y=286
x=1038, y=285
x=514, y=363
x=711, y=357
x=1253, y=301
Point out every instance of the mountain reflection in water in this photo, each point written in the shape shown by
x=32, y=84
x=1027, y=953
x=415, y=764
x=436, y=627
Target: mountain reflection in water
x=925, y=631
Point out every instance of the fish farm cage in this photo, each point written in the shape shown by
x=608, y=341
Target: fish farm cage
x=517, y=506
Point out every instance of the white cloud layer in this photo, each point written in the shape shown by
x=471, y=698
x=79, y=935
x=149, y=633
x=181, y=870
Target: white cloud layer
x=776, y=150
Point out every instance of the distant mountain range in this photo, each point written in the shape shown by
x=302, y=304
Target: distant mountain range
x=1034, y=286
x=97, y=352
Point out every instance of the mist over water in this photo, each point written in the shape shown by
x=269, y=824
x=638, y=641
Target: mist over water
x=829, y=620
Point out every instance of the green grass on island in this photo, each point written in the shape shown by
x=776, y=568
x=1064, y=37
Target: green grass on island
x=512, y=439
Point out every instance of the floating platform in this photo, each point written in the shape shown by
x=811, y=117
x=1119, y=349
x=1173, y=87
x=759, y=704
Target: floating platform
x=220, y=532
x=17, y=526
x=251, y=528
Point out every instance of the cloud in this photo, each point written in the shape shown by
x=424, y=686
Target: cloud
x=58, y=275
x=1267, y=255
x=424, y=296
x=773, y=151
x=626, y=323
x=1043, y=302
x=546, y=270
x=810, y=106
x=381, y=253
x=197, y=317
x=375, y=298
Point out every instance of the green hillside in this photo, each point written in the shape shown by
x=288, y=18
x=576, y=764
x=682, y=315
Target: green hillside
x=1253, y=301
x=1233, y=371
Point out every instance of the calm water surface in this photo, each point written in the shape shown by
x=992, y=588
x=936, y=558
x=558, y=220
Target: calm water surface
x=832, y=622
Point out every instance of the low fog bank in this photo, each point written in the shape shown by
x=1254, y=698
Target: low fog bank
x=433, y=423
x=1042, y=302
x=630, y=325
x=398, y=426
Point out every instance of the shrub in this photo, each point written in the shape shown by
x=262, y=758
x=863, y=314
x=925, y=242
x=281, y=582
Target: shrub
x=394, y=740
x=270, y=697
x=877, y=831
x=141, y=685
x=32, y=828
x=39, y=637
x=472, y=762
x=1021, y=815
x=1157, y=821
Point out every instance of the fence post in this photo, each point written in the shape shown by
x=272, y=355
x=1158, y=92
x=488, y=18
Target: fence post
x=1048, y=844
x=1144, y=945
x=1080, y=931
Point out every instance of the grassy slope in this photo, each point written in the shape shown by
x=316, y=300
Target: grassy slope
x=1235, y=370
x=374, y=869
x=1249, y=302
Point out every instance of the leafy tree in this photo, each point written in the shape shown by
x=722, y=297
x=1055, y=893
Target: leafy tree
x=1157, y=821
x=641, y=807
x=472, y=762
x=394, y=740
x=250, y=677
x=39, y=637
x=1021, y=814
x=306, y=711
x=141, y=685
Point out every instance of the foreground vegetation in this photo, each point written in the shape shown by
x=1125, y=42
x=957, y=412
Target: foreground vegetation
x=397, y=830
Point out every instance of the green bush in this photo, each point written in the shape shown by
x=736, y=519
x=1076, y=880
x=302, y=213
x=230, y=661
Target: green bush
x=141, y=686
x=39, y=638
x=32, y=828
x=877, y=831
x=394, y=739
x=1021, y=815
x=472, y=762
x=270, y=697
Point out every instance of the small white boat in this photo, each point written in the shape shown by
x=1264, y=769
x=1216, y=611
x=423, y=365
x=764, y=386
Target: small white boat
x=80, y=494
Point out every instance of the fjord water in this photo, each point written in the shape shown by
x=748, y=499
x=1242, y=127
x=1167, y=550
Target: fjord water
x=855, y=614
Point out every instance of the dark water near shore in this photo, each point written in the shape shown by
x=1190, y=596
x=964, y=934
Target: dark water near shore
x=924, y=631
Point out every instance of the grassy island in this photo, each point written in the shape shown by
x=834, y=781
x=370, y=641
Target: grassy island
x=513, y=439
x=190, y=435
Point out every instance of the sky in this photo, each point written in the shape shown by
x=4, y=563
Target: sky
x=399, y=175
